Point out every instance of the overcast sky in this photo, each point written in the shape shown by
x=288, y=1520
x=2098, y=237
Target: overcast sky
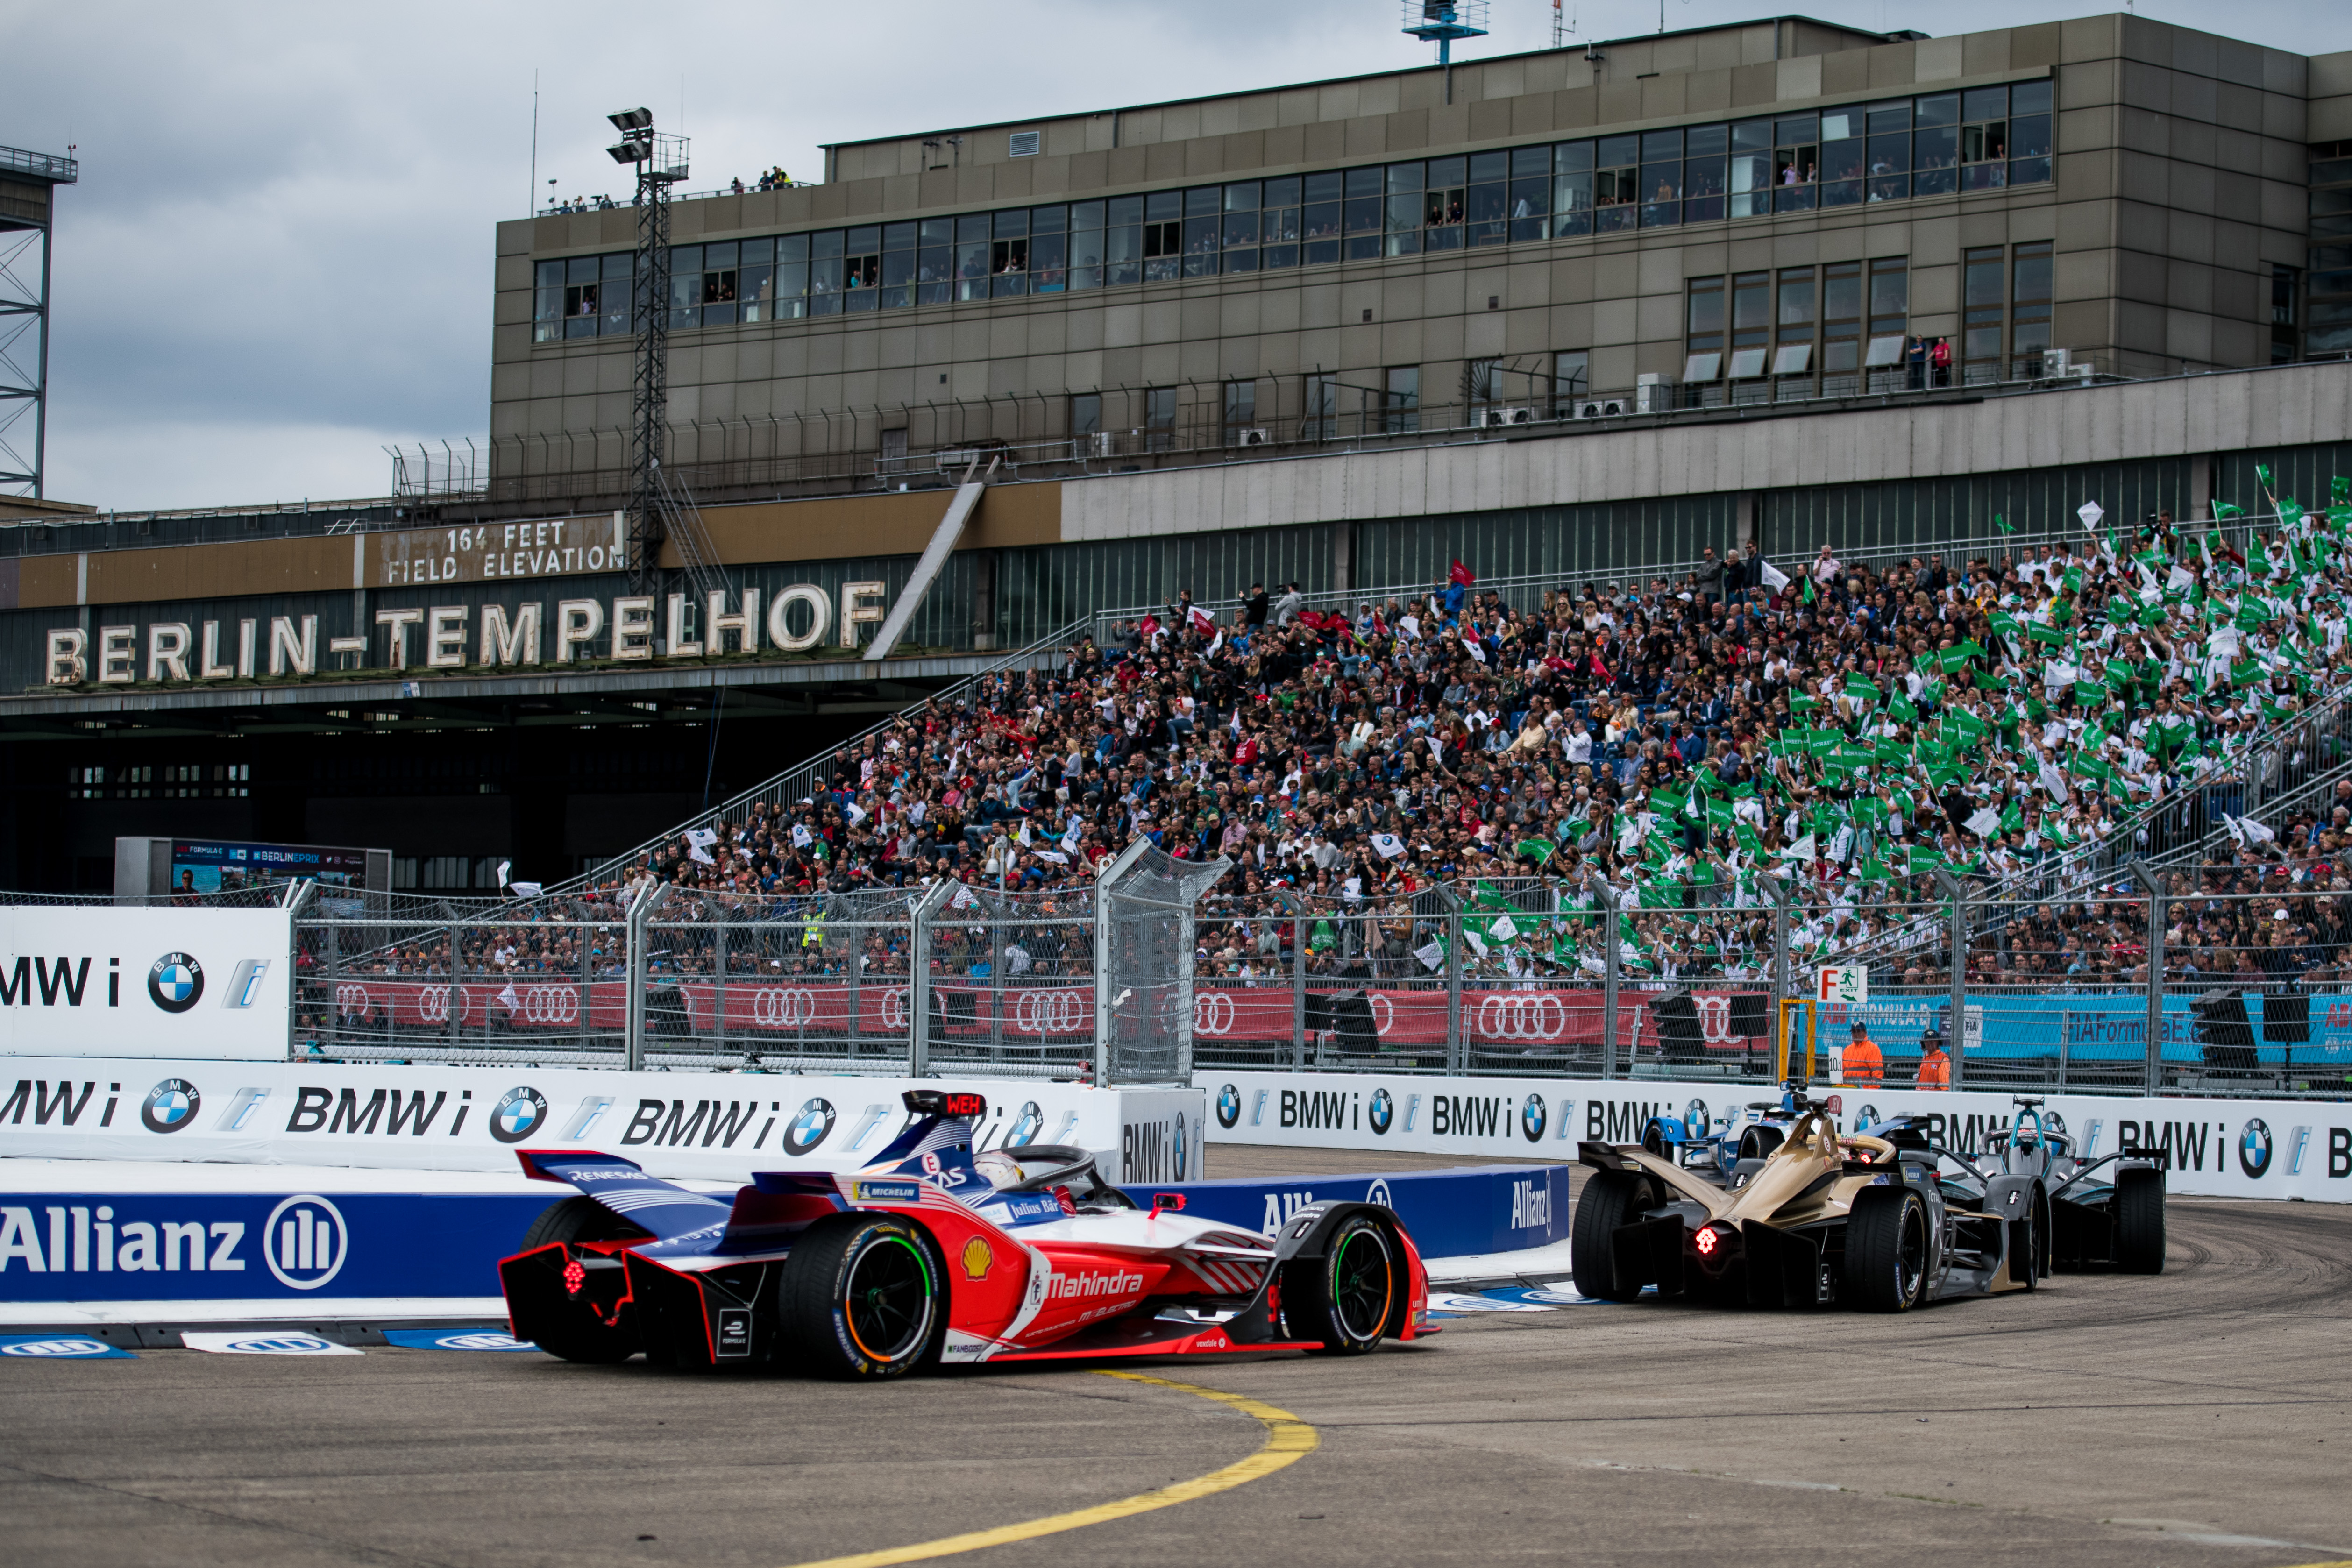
x=278, y=258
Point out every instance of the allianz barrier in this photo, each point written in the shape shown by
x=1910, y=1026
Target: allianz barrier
x=1448, y=1213
x=2216, y=1147
x=713, y=1125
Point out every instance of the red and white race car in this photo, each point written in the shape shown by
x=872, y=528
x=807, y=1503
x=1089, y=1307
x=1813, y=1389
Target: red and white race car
x=931, y=1256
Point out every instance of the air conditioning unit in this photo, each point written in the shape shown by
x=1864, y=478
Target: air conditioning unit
x=1496, y=418
x=1598, y=408
x=954, y=462
x=1252, y=438
x=2054, y=363
x=1099, y=444
x=1652, y=393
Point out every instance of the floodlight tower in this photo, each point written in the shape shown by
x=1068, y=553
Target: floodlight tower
x=1440, y=21
x=660, y=161
x=28, y=194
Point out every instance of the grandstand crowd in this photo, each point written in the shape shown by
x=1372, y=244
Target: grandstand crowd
x=1847, y=730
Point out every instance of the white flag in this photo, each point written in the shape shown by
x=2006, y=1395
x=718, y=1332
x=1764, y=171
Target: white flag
x=1431, y=957
x=856, y=813
x=1773, y=576
x=525, y=889
x=1985, y=823
x=508, y=999
x=1803, y=850
x=1056, y=856
x=1389, y=845
x=504, y=867
x=2091, y=512
x=1503, y=929
x=2246, y=830
x=801, y=837
x=703, y=837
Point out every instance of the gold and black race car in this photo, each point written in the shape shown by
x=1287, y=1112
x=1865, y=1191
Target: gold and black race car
x=1862, y=1220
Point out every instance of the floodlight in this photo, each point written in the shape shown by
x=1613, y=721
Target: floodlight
x=632, y=119
x=629, y=151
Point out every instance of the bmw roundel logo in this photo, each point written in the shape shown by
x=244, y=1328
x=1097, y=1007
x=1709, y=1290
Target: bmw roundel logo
x=1229, y=1107
x=1865, y=1118
x=170, y=1105
x=1025, y=1126
x=177, y=983
x=1379, y=1112
x=518, y=1114
x=2254, y=1147
x=1531, y=1118
x=809, y=1126
x=1695, y=1118
x=1179, y=1145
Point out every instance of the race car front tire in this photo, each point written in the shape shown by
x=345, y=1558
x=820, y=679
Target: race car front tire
x=1885, y=1265
x=863, y=1296
x=1348, y=1298
x=579, y=1334
x=1610, y=1199
x=1758, y=1142
x=2139, y=1220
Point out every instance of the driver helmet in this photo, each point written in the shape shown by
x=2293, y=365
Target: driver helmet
x=1001, y=1168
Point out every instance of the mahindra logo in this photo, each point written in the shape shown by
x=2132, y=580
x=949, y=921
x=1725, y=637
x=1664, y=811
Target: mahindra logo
x=1067, y=1287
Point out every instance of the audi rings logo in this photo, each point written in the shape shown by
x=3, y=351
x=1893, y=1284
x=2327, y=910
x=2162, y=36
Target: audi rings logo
x=351, y=1001
x=175, y=984
x=1713, y=1019
x=518, y=1114
x=1383, y=1012
x=305, y=1241
x=894, y=1009
x=810, y=1125
x=1064, y=1010
x=170, y=1105
x=1229, y=1107
x=1025, y=1126
x=1213, y=1013
x=433, y=1003
x=1523, y=1014
x=1531, y=1118
x=2254, y=1147
x=1379, y=1112
x=549, y=1005
x=780, y=1007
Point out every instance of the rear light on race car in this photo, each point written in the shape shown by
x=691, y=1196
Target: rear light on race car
x=1713, y=1243
x=574, y=1276
x=1706, y=1242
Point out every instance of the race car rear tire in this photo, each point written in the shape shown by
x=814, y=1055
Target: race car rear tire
x=2139, y=1220
x=1610, y=1198
x=1758, y=1142
x=1349, y=1298
x=1885, y=1265
x=863, y=1296
x=580, y=1334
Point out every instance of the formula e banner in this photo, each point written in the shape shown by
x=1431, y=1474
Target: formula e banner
x=96, y=981
x=719, y=1126
x=2225, y=1148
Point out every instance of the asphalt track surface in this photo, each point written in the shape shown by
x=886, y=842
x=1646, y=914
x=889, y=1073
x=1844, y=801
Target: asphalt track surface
x=2195, y=1418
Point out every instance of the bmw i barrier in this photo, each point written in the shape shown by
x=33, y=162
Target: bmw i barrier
x=1459, y=1212
x=2211, y=1147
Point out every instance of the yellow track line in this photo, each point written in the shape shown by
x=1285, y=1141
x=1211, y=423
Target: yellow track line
x=1288, y=1441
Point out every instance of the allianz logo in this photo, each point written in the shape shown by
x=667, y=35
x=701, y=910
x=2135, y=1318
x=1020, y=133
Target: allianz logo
x=1531, y=1204
x=304, y=1243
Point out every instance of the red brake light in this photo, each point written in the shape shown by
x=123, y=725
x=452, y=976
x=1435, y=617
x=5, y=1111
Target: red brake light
x=574, y=1276
x=1707, y=1242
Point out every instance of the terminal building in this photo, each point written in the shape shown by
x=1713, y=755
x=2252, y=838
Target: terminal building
x=1558, y=315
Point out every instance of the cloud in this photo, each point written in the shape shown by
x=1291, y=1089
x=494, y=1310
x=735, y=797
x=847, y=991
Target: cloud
x=280, y=255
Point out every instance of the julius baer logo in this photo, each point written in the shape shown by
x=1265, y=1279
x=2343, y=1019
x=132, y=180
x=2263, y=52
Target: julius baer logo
x=175, y=982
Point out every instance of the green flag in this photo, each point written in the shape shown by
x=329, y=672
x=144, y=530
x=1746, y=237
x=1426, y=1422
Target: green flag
x=1900, y=708
x=2013, y=818
x=2003, y=524
x=1861, y=689
x=2262, y=473
x=1921, y=858
x=1809, y=595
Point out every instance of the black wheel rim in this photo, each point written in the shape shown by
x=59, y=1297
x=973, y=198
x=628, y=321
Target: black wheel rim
x=1910, y=1254
x=888, y=1298
x=1361, y=1280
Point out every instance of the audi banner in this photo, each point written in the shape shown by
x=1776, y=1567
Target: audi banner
x=2227, y=1148
x=90, y=980
x=719, y=1126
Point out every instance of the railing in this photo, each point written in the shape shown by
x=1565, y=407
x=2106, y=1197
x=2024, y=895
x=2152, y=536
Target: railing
x=41, y=165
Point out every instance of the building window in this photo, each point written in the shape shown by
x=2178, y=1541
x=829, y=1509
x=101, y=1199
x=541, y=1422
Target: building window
x=1008, y=254
x=1159, y=417
x=1403, y=183
x=1842, y=323
x=1319, y=408
x=1318, y=218
x=1241, y=410
x=2029, y=132
x=1890, y=321
x=2327, y=289
x=2029, y=307
x=1982, y=294
x=1086, y=415
x=1365, y=207
x=1488, y=200
x=1793, y=322
x=2284, y=282
x=1662, y=184
x=1703, y=332
x=1478, y=382
x=1279, y=224
x=1569, y=381
x=1399, y=401
x=1752, y=330
x=1530, y=192
x=1984, y=138
x=1024, y=143
x=1164, y=237
x=1616, y=182
x=1571, y=189
x=1445, y=203
x=1796, y=162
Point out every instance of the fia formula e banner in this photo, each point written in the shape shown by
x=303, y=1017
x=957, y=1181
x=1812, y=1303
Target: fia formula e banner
x=101, y=981
x=719, y=1125
x=2225, y=1148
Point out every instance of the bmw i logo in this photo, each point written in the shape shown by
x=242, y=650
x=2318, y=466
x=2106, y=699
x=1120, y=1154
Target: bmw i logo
x=1531, y=1118
x=177, y=983
x=2254, y=1147
x=1229, y=1108
x=809, y=1127
x=1379, y=1112
x=517, y=1115
x=1695, y=1118
x=1179, y=1145
x=1865, y=1118
x=170, y=1105
x=1025, y=1126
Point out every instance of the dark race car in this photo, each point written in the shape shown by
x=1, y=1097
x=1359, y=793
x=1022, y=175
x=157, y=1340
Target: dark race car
x=931, y=1255
x=1867, y=1220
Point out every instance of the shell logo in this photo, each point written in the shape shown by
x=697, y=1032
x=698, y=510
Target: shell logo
x=978, y=1259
